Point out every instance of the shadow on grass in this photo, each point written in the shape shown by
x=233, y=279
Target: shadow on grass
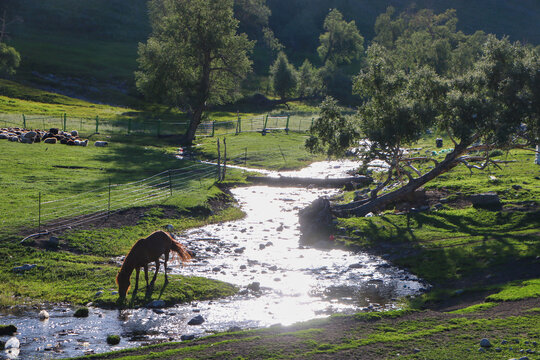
x=460, y=249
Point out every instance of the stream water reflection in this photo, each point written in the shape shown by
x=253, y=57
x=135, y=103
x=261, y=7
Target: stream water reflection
x=262, y=250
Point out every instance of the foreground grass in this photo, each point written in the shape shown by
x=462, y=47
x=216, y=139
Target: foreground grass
x=410, y=335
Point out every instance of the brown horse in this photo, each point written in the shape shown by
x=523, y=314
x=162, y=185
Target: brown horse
x=145, y=251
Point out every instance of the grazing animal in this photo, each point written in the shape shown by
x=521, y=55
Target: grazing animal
x=145, y=251
x=101, y=143
x=50, y=140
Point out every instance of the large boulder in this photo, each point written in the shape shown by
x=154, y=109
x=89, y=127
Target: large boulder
x=316, y=221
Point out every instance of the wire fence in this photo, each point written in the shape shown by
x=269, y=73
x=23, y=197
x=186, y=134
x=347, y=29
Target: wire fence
x=157, y=127
x=51, y=212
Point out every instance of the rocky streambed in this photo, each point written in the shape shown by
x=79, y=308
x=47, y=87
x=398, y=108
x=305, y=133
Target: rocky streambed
x=280, y=281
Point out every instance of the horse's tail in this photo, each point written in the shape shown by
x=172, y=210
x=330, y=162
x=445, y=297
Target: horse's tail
x=180, y=249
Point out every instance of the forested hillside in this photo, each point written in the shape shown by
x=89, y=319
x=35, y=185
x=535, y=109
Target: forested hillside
x=298, y=23
x=89, y=48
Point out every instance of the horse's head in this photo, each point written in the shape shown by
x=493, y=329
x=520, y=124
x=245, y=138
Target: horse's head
x=123, y=282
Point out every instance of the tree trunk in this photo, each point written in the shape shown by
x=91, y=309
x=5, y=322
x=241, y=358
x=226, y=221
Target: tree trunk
x=203, y=94
x=364, y=207
x=193, y=125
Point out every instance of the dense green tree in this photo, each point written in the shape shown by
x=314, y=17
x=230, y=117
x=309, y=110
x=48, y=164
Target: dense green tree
x=9, y=59
x=194, y=57
x=424, y=38
x=252, y=14
x=309, y=81
x=332, y=133
x=480, y=110
x=341, y=43
x=283, y=77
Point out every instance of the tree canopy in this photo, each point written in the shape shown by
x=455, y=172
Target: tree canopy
x=341, y=43
x=490, y=104
x=283, y=76
x=194, y=57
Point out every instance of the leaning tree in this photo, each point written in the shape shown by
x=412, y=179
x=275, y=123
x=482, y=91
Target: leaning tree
x=495, y=105
x=194, y=57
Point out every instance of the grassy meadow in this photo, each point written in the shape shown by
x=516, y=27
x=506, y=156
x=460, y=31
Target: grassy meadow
x=67, y=178
x=464, y=252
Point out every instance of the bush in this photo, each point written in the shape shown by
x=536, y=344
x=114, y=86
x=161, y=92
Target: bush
x=81, y=312
x=113, y=339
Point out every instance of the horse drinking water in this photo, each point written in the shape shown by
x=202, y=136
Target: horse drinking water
x=145, y=251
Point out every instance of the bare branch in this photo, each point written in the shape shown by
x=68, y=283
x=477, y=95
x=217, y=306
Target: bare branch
x=414, y=169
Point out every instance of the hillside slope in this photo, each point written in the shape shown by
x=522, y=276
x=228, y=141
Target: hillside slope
x=89, y=48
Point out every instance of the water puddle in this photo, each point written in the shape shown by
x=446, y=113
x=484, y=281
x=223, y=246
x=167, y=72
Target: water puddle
x=280, y=280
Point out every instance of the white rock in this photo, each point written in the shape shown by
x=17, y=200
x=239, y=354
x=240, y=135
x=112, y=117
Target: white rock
x=12, y=343
x=43, y=315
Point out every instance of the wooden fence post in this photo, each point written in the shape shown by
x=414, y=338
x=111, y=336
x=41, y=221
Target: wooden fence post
x=65, y=121
x=218, y=161
x=39, y=213
x=24, y=121
x=287, y=125
x=97, y=124
x=109, y=202
x=224, y=158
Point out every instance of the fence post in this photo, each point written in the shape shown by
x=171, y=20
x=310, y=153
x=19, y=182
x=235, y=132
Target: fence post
x=97, y=124
x=282, y=155
x=312, y=119
x=238, y=123
x=224, y=158
x=218, y=161
x=264, y=126
x=129, y=126
x=65, y=121
x=287, y=125
x=24, y=121
x=170, y=182
x=109, y=203
x=39, y=212
x=214, y=130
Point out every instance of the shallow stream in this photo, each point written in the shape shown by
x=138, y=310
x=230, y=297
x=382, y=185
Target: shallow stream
x=295, y=282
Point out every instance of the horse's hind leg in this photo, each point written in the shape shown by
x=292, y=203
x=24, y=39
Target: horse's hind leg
x=165, y=264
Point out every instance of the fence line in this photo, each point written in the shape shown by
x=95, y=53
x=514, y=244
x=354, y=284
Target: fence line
x=88, y=126
x=96, y=204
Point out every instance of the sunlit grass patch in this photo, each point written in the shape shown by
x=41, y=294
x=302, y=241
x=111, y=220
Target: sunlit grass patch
x=517, y=291
x=474, y=308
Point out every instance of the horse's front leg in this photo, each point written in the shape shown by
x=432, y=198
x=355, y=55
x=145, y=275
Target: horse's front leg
x=155, y=274
x=146, y=276
x=137, y=271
